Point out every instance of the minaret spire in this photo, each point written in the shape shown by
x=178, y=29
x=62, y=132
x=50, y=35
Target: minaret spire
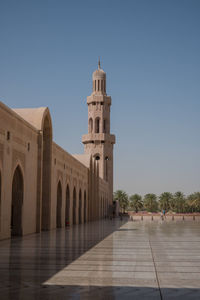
x=99, y=64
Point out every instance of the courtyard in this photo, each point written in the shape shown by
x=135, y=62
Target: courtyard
x=107, y=259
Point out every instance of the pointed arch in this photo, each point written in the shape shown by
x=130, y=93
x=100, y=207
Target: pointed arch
x=90, y=125
x=97, y=125
x=85, y=207
x=80, y=207
x=74, y=206
x=59, y=206
x=67, y=206
x=17, y=202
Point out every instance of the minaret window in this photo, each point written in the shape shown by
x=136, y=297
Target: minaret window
x=95, y=83
x=90, y=125
x=98, y=85
x=8, y=135
x=97, y=157
x=97, y=123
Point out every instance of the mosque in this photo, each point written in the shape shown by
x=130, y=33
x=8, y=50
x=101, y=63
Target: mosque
x=42, y=186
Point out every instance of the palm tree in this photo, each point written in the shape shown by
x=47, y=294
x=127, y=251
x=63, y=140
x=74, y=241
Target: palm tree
x=193, y=201
x=179, y=201
x=136, y=202
x=122, y=197
x=190, y=205
x=165, y=201
x=150, y=202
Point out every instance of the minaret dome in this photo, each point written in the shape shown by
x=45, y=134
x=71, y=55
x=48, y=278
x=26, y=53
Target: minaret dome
x=99, y=80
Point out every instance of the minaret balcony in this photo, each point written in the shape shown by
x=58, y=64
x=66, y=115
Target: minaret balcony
x=99, y=98
x=90, y=137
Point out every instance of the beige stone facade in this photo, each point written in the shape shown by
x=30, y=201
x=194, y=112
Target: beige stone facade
x=42, y=186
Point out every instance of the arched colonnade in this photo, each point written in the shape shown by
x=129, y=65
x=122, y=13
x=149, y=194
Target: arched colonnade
x=17, y=199
x=78, y=202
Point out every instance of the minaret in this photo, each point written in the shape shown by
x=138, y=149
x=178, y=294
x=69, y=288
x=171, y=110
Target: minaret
x=99, y=142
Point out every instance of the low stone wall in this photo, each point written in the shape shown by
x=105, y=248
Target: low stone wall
x=167, y=217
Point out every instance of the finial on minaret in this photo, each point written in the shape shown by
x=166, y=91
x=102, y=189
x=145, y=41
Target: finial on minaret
x=99, y=64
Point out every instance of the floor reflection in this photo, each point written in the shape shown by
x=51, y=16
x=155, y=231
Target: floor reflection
x=104, y=260
x=26, y=263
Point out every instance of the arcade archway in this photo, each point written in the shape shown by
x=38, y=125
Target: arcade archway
x=74, y=206
x=17, y=203
x=59, y=206
x=80, y=207
x=67, y=206
x=85, y=207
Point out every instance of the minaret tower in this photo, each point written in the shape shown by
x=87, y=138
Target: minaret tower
x=99, y=142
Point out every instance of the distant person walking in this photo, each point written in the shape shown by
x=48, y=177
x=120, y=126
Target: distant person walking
x=163, y=214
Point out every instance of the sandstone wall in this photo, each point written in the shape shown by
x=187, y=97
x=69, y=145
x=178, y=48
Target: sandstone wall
x=70, y=172
x=53, y=186
x=18, y=147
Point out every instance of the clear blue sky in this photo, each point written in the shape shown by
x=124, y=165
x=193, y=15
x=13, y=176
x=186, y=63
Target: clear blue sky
x=150, y=51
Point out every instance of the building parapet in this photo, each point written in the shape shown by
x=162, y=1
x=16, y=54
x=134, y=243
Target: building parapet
x=68, y=157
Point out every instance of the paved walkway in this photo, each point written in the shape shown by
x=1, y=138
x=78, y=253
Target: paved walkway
x=104, y=260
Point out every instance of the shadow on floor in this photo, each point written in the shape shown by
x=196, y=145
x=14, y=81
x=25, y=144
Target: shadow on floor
x=27, y=262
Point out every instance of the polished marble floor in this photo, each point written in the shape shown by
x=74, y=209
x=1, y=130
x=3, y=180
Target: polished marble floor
x=109, y=259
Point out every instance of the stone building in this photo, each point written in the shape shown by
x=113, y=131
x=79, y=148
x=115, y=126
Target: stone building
x=42, y=186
